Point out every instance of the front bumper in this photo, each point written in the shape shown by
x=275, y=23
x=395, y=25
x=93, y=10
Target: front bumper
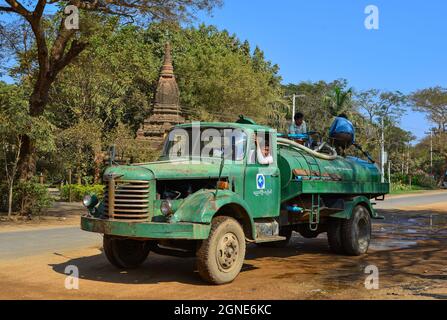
x=146, y=230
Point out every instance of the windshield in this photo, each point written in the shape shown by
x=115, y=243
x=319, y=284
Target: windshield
x=205, y=143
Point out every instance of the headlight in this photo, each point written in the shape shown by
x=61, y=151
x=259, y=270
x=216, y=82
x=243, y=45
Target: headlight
x=90, y=201
x=166, y=208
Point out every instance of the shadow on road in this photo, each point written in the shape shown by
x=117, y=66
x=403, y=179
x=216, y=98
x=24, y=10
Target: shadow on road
x=409, y=248
x=159, y=269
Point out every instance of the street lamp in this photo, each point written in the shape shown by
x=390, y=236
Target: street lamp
x=294, y=96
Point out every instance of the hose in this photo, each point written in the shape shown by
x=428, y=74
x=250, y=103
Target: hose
x=332, y=156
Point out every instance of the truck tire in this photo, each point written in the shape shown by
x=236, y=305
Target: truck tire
x=356, y=232
x=221, y=256
x=334, y=236
x=125, y=253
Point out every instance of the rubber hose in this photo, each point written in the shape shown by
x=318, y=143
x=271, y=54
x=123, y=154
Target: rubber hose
x=310, y=151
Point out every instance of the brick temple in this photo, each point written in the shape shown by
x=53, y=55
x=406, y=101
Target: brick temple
x=166, y=110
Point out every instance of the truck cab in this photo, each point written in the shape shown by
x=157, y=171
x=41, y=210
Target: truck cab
x=218, y=186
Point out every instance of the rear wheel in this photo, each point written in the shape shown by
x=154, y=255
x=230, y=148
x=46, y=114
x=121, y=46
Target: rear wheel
x=356, y=232
x=221, y=256
x=125, y=253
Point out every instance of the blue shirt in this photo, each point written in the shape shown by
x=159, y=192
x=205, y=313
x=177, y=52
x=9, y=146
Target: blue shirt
x=342, y=125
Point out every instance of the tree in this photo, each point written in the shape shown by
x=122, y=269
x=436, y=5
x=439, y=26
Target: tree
x=316, y=101
x=433, y=102
x=14, y=123
x=56, y=49
x=109, y=88
x=81, y=145
x=339, y=101
x=377, y=104
x=217, y=77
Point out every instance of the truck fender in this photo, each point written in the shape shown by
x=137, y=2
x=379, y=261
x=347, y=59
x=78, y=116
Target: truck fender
x=201, y=207
x=349, y=205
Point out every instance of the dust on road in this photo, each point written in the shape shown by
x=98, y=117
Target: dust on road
x=409, y=248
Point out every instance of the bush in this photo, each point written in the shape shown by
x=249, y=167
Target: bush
x=78, y=191
x=28, y=198
x=420, y=179
x=424, y=181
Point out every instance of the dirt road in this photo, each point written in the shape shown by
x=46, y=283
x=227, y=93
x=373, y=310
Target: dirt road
x=409, y=248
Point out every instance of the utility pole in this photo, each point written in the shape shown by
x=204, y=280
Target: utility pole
x=69, y=185
x=294, y=96
x=294, y=107
x=403, y=160
x=431, y=151
x=408, y=160
x=382, y=151
x=389, y=172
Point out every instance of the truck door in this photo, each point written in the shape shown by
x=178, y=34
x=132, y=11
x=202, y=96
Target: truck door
x=262, y=180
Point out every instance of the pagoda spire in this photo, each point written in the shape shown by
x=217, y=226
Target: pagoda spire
x=167, y=70
x=166, y=111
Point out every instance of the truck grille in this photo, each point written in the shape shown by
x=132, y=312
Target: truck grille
x=127, y=200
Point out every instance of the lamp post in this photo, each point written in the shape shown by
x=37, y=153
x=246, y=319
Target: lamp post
x=294, y=96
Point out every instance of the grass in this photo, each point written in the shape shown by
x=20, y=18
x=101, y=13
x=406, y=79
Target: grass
x=406, y=189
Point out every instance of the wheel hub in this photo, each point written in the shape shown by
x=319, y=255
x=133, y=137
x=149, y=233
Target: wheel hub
x=227, y=252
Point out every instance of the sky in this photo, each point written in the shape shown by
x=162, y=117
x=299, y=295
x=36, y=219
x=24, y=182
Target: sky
x=314, y=40
x=327, y=40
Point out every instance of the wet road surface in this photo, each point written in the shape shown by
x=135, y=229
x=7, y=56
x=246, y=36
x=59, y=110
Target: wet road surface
x=409, y=248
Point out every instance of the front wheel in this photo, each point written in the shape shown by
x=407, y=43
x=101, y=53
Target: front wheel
x=125, y=253
x=221, y=256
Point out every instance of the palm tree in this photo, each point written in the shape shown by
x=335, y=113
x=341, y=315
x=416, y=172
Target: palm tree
x=339, y=101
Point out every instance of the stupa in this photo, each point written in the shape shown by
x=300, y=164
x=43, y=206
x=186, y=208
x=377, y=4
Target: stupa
x=166, y=111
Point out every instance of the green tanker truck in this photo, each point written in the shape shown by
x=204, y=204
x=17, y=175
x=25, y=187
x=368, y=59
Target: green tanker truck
x=214, y=190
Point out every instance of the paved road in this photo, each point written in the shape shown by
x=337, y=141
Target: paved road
x=33, y=242
x=413, y=200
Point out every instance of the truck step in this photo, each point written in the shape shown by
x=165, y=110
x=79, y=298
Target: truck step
x=270, y=239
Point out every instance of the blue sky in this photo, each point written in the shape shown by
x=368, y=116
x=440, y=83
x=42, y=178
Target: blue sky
x=326, y=39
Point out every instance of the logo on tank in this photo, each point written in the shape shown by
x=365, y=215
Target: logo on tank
x=260, y=181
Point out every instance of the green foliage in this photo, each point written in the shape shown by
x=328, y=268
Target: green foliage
x=339, y=101
x=29, y=198
x=105, y=95
x=114, y=80
x=316, y=101
x=399, y=187
x=79, y=191
x=420, y=180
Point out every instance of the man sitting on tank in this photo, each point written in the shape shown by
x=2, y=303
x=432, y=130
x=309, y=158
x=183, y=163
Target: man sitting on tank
x=298, y=126
x=342, y=133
